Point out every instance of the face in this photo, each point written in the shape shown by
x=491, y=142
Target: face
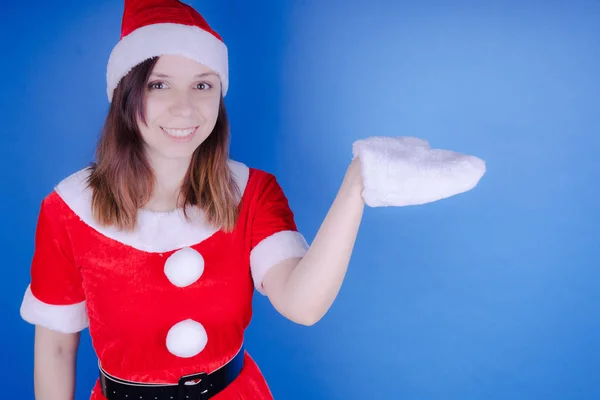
x=182, y=104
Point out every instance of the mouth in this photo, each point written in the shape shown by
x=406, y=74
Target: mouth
x=178, y=133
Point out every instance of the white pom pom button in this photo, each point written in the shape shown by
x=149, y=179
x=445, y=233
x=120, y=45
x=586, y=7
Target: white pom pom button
x=186, y=338
x=184, y=267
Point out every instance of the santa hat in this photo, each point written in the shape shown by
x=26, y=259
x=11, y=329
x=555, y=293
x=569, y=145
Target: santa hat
x=155, y=27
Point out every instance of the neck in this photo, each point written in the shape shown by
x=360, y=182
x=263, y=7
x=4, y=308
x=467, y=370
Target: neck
x=168, y=177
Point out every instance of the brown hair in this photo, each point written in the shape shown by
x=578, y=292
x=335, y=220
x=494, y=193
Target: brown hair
x=121, y=177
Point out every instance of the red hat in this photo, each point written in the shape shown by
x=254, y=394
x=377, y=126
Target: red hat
x=155, y=27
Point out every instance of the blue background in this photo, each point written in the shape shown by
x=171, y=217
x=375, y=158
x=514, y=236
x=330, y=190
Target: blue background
x=492, y=294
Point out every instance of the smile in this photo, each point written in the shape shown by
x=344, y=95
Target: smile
x=177, y=133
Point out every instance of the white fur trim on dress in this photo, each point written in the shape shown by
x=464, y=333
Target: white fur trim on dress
x=62, y=318
x=272, y=250
x=403, y=171
x=168, y=38
x=157, y=232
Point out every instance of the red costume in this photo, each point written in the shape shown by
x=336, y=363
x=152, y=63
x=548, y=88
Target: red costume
x=170, y=299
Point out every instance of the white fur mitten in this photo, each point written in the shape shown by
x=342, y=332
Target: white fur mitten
x=403, y=171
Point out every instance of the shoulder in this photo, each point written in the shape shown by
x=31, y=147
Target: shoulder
x=73, y=190
x=259, y=179
x=56, y=217
x=260, y=184
x=69, y=199
x=264, y=191
x=58, y=204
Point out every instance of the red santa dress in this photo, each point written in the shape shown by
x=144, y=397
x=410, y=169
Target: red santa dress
x=135, y=291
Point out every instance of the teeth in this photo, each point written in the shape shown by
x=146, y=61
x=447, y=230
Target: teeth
x=179, y=132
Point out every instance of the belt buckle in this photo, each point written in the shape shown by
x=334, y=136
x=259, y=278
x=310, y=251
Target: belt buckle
x=200, y=379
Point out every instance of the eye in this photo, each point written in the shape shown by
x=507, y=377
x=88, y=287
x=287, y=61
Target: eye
x=204, y=86
x=156, y=85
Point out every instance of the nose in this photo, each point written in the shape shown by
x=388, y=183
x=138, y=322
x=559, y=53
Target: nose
x=181, y=105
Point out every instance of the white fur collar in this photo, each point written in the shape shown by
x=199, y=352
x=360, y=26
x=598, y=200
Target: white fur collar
x=157, y=232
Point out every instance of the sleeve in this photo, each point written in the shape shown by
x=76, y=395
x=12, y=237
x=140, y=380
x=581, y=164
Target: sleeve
x=54, y=298
x=274, y=234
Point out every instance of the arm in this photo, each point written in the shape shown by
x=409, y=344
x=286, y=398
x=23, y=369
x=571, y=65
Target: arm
x=304, y=289
x=55, y=356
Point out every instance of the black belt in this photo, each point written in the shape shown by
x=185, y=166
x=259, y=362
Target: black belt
x=200, y=386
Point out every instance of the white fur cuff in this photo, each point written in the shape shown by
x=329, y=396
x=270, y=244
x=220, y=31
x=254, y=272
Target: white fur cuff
x=402, y=171
x=62, y=318
x=272, y=250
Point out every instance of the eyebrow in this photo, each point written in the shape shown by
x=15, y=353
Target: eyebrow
x=205, y=74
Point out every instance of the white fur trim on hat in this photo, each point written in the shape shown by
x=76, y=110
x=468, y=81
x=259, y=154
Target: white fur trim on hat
x=166, y=38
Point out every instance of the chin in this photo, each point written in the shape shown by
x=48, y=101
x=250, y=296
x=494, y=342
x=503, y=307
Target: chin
x=177, y=154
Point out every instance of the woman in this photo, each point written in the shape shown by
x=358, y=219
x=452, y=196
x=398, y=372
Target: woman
x=158, y=246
